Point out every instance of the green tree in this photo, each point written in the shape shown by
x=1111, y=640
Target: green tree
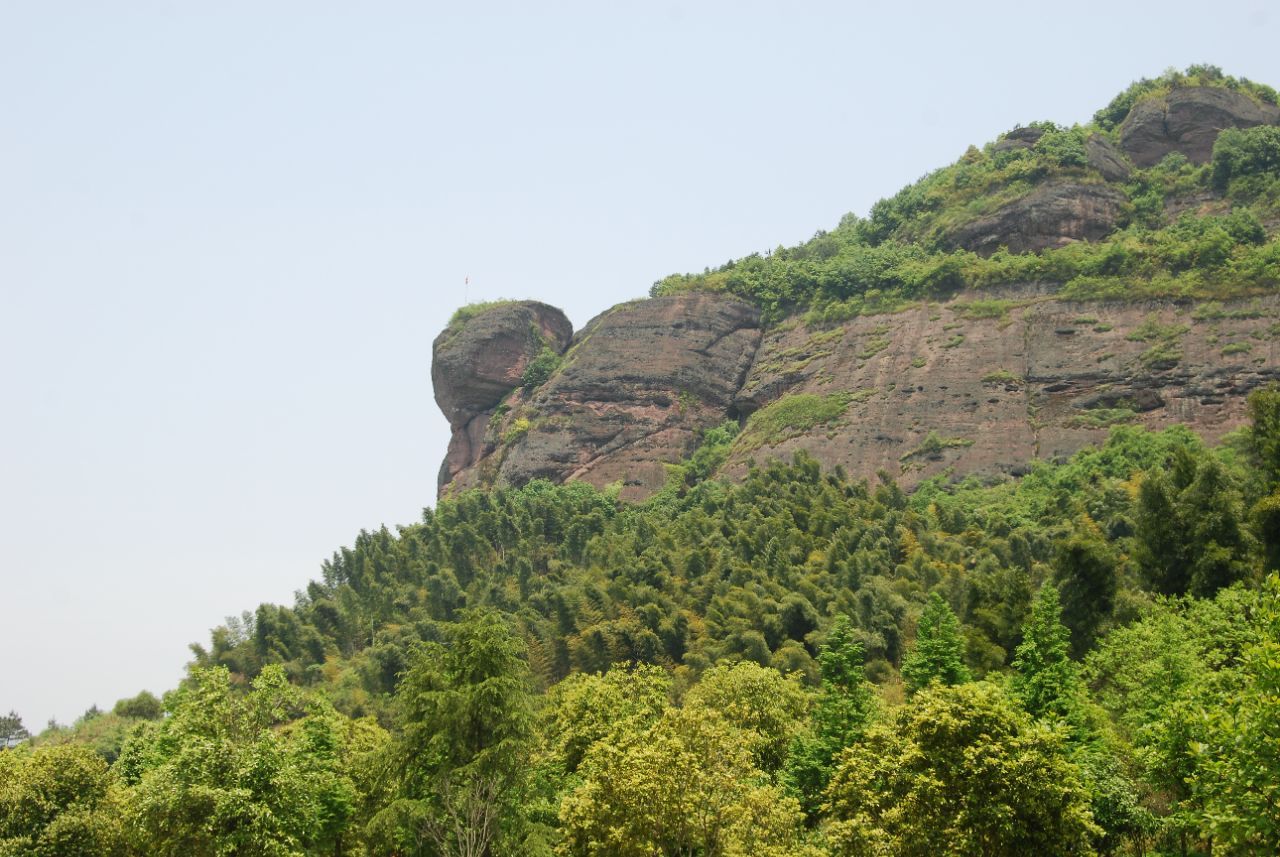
x=767, y=707
x=938, y=654
x=225, y=773
x=686, y=785
x=959, y=771
x=1045, y=679
x=1190, y=535
x=11, y=730
x=1084, y=568
x=1264, y=431
x=1245, y=152
x=57, y=802
x=1238, y=777
x=144, y=706
x=462, y=757
x=590, y=707
x=1156, y=677
x=843, y=709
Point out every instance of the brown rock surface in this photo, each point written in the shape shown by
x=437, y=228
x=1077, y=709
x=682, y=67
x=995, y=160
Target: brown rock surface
x=1052, y=215
x=961, y=387
x=1018, y=138
x=1108, y=160
x=1041, y=380
x=1188, y=120
x=476, y=363
x=639, y=383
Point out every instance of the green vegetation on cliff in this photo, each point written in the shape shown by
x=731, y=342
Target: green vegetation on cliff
x=1183, y=230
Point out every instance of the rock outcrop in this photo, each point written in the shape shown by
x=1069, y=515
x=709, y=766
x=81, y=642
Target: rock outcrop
x=1052, y=215
x=967, y=386
x=478, y=362
x=1019, y=138
x=1188, y=120
x=638, y=384
x=1108, y=160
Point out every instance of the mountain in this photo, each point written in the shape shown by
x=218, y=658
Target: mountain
x=1013, y=306
x=614, y=635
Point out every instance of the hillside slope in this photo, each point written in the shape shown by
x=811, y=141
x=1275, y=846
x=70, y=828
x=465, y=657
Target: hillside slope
x=1011, y=307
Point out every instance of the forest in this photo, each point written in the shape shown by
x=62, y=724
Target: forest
x=1084, y=660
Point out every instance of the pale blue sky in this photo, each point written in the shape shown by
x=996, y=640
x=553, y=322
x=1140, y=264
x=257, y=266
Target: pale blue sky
x=229, y=233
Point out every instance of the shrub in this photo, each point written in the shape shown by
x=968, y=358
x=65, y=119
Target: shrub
x=1243, y=152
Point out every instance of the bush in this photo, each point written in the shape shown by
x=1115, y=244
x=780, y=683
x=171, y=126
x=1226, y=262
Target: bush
x=1251, y=151
x=540, y=368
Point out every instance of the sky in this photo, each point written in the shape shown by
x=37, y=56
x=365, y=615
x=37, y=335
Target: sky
x=230, y=231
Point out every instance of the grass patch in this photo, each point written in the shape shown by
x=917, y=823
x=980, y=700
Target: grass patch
x=1152, y=330
x=873, y=348
x=518, y=429
x=954, y=341
x=1103, y=417
x=1236, y=348
x=918, y=363
x=791, y=416
x=989, y=308
x=1001, y=376
x=933, y=445
x=1212, y=311
x=1162, y=355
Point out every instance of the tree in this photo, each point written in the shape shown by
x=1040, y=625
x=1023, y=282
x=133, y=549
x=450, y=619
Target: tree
x=466, y=721
x=959, y=771
x=239, y=773
x=144, y=706
x=685, y=785
x=57, y=802
x=840, y=716
x=1045, y=680
x=1264, y=431
x=1189, y=535
x=938, y=654
x=767, y=707
x=1239, y=773
x=12, y=731
x=1156, y=677
x=1244, y=152
x=590, y=707
x=1085, y=569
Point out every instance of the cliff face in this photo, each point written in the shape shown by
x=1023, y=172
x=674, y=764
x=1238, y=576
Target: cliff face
x=973, y=386
x=637, y=385
x=979, y=384
x=985, y=387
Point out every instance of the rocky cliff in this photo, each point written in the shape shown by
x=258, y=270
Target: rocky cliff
x=977, y=383
x=971, y=385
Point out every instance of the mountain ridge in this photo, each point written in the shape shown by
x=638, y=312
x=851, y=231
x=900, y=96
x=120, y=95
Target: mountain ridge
x=1042, y=289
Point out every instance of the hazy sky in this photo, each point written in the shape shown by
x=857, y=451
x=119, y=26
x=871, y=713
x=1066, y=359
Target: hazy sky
x=229, y=232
